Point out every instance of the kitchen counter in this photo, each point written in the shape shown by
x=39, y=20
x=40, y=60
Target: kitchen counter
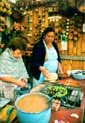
x=66, y=115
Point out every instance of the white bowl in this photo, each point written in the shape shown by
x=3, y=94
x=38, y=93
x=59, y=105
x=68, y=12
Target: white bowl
x=78, y=74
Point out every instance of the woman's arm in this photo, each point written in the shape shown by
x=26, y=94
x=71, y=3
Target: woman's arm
x=38, y=55
x=60, y=68
x=44, y=71
x=13, y=80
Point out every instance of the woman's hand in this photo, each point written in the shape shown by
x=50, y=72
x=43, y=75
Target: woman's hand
x=44, y=71
x=22, y=83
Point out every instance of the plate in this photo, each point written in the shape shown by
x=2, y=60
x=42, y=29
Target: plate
x=78, y=74
x=52, y=77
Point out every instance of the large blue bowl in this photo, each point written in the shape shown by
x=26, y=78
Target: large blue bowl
x=38, y=117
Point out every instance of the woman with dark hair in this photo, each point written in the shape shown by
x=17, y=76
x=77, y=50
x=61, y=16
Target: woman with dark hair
x=12, y=67
x=45, y=57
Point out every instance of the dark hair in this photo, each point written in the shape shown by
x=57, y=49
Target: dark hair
x=47, y=30
x=18, y=43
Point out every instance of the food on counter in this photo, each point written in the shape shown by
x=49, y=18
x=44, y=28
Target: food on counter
x=63, y=76
x=56, y=91
x=72, y=83
x=33, y=103
x=74, y=115
x=61, y=121
x=52, y=77
x=69, y=96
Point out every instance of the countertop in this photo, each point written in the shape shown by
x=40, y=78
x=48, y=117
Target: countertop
x=65, y=115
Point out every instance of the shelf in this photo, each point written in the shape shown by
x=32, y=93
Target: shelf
x=79, y=58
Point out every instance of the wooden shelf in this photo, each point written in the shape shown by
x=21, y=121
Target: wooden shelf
x=79, y=58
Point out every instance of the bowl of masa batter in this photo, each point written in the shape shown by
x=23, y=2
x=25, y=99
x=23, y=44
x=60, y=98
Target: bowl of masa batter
x=33, y=107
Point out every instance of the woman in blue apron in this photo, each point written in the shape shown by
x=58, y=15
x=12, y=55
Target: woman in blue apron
x=45, y=57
